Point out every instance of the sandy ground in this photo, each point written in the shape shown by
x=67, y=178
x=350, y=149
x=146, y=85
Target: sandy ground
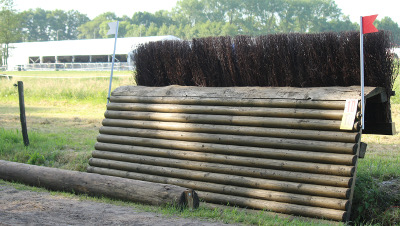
x=21, y=207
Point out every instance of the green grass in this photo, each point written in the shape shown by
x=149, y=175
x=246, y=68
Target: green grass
x=377, y=192
x=88, y=90
x=64, y=115
x=64, y=73
x=396, y=88
x=45, y=149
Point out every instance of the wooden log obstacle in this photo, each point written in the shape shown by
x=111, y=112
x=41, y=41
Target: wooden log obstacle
x=98, y=185
x=279, y=149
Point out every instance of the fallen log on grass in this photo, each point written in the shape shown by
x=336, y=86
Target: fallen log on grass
x=98, y=185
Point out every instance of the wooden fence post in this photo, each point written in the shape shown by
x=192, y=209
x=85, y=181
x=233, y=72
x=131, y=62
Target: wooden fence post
x=22, y=112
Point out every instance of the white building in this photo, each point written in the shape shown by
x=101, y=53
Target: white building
x=76, y=54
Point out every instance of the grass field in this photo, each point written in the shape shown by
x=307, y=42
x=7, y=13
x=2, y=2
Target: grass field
x=64, y=115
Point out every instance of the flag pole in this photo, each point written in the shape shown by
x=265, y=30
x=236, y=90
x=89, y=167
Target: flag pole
x=362, y=71
x=112, y=65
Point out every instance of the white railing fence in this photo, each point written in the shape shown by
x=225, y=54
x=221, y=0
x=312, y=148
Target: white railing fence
x=74, y=67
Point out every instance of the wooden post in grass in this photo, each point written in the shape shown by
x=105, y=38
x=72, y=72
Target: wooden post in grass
x=22, y=112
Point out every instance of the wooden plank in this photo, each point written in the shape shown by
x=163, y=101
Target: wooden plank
x=309, y=93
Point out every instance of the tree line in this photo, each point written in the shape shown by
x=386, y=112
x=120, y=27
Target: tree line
x=188, y=19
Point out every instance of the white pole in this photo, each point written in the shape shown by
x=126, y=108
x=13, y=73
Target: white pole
x=362, y=72
x=112, y=65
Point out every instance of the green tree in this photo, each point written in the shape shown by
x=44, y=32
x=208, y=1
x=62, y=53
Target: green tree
x=308, y=15
x=287, y=17
x=36, y=25
x=260, y=17
x=122, y=29
x=328, y=17
x=42, y=25
x=189, y=12
x=158, y=18
x=336, y=25
x=152, y=30
x=389, y=25
x=229, y=29
x=9, y=28
x=143, y=18
x=91, y=29
x=74, y=20
x=57, y=28
x=134, y=30
x=164, y=30
x=209, y=29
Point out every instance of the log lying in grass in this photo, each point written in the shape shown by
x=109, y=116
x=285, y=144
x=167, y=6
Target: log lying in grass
x=96, y=184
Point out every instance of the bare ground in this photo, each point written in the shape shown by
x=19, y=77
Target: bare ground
x=22, y=207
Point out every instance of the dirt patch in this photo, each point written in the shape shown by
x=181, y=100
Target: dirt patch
x=21, y=207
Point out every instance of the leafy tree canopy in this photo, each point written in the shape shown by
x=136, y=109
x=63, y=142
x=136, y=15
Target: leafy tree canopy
x=198, y=18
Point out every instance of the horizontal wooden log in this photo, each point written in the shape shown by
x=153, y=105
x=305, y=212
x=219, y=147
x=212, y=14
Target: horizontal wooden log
x=340, y=204
x=93, y=184
x=230, y=110
x=347, y=137
x=226, y=101
x=221, y=207
x=250, y=141
x=283, y=154
x=200, y=163
x=306, y=211
x=291, y=123
x=215, y=188
x=339, y=170
x=291, y=187
x=287, y=93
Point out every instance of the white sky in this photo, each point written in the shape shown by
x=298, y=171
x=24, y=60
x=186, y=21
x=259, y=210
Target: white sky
x=93, y=8
x=357, y=8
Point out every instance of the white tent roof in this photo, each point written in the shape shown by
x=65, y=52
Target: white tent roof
x=85, y=47
x=20, y=52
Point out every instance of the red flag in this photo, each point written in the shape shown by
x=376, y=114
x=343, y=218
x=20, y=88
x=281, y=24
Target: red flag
x=367, y=25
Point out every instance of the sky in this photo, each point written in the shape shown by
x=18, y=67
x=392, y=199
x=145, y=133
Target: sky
x=92, y=8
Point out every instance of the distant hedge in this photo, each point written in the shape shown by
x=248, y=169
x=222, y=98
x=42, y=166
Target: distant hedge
x=296, y=60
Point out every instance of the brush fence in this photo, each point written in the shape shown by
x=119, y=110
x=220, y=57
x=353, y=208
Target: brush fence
x=278, y=149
